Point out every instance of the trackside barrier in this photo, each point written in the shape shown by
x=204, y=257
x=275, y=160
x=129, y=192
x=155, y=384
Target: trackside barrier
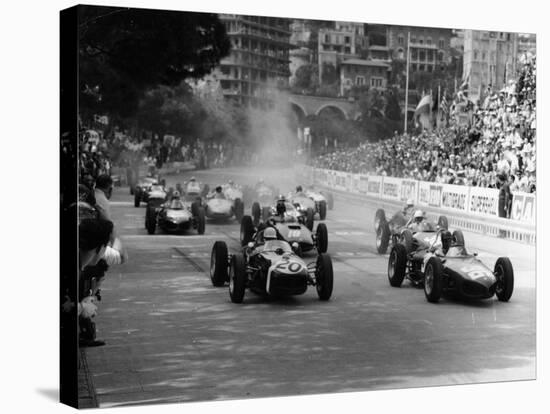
x=470, y=208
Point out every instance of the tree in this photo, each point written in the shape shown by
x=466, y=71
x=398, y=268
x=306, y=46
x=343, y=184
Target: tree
x=329, y=75
x=393, y=111
x=306, y=78
x=124, y=52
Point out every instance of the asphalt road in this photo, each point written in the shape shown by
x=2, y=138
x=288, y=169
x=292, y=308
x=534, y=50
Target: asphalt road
x=173, y=337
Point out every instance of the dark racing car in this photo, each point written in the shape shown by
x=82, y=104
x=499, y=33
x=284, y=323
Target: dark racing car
x=401, y=228
x=144, y=187
x=268, y=266
x=445, y=266
x=175, y=216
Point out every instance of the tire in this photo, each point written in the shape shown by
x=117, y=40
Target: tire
x=137, y=198
x=256, y=212
x=309, y=218
x=151, y=221
x=504, y=273
x=247, y=230
x=201, y=221
x=195, y=207
x=239, y=209
x=324, y=277
x=218, y=264
x=458, y=238
x=397, y=265
x=322, y=238
x=433, y=275
x=323, y=210
x=443, y=222
x=237, y=279
x=265, y=213
x=407, y=240
x=379, y=217
x=383, y=237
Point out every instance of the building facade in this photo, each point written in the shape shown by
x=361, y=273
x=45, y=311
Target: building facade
x=429, y=46
x=258, y=65
x=490, y=59
x=361, y=72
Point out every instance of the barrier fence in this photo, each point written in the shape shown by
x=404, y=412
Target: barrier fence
x=470, y=208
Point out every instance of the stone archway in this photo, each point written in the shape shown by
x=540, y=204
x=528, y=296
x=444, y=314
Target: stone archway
x=334, y=110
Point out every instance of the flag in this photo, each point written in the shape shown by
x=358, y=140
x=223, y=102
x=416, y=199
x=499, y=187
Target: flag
x=424, y=105
x=443, y=105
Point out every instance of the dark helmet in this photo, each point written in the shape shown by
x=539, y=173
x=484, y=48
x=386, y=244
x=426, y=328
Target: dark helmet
x=446, y=240
x=299, y=189
x=219, y=189
x=281, y=208
x=176, y=194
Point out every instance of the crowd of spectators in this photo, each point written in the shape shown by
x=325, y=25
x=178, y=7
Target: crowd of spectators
x=498, y=146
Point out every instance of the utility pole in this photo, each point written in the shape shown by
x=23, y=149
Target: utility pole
x=407, y=83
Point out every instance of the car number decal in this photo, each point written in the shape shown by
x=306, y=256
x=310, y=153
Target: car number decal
x=294, y=233
x=292, y=267
x=475, y=272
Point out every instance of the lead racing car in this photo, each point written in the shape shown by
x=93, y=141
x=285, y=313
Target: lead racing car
x=271, y=267
x=222, y=204
x=175, y=216
x=445, y=267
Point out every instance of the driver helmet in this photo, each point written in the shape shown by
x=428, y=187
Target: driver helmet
x=231, y=182
x=281, y=208
x=176, y=194
x=418, y=216
x=219, y=189
x=299, y=189
x=446, y=240
x=192, y=179
x=410, y=202
x=270, y=234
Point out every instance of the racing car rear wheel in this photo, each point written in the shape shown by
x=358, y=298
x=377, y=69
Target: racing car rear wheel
x=407, y=240
x=321, y=237
x=504, y=273
x=239, y=209
x=324, y=277
x=397, y=265
x=237, y=279
x=247, y=230
x=151, y=222
x=443, y=222
x=201, y=221
x=458, y=237
x=309, y=218
x=218, y=264
x=137, y=198
x=256, y=212
x=322, y=209
x=432, y=279
x=195, y=207
x=379, y=217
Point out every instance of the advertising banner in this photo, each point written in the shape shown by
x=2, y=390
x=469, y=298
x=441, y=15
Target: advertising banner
x=374, y=185
x=429, y=194
x=391, y=187
x=455, y=197
x=362, y=183
x=409, y=190
x=523, y=208
x=483, y=201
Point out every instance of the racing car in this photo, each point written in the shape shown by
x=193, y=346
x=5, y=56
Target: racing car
x=263, y=196
x=270, y=267
x=446, y=267
x=397, y=230
x=289, y=228
x=320, y=197
x=225, y=204
x=175, y=216
x=143, y=188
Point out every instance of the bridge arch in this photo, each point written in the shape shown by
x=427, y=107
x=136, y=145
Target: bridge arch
x=299, y=111
x=332, y=106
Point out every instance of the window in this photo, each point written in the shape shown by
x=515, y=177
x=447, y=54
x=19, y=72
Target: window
x=413, y=39
x=422, y=55
x=327, y=38
x=376, y=82
x=475, y=54
x=414, y=54
x=500, y=47
x=430, y=68
x=429, y=41
x=483, y=55
x=359, y=80
x=508, y=36
x=440, y=56
x=442, y=43
x=347, y=39
x=421, y=41
x=400, y=54
x=414, y=67
x=400, y=40
x=430, y=55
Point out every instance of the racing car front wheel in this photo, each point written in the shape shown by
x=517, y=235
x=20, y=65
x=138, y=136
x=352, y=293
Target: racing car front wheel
x=322, y=209
x=383, y=237
x=458, y=238
x=324, y=277
x=150, y=221
x=201, y=221
x=443, y=222
x=432, y=280
x=218, y=264
x=137, y=198
x=256, y=212
x=322, y=238
x=247, y=230
x=407, y=240
x=237, y=279
x=239, y=209
x=397, y=265
x=309, y=218
x=379, y=218
x=504, y=272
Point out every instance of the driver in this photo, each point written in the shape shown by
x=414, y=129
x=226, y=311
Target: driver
x=281, y=207
x=408, y=208
x=270, y=234
x=218, y=193
x=416, y=220
x=175, y=203
x=299, y=190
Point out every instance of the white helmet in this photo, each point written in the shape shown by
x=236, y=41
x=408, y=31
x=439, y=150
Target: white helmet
x=418, y=216
x=270, y=234
x=410, y=202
